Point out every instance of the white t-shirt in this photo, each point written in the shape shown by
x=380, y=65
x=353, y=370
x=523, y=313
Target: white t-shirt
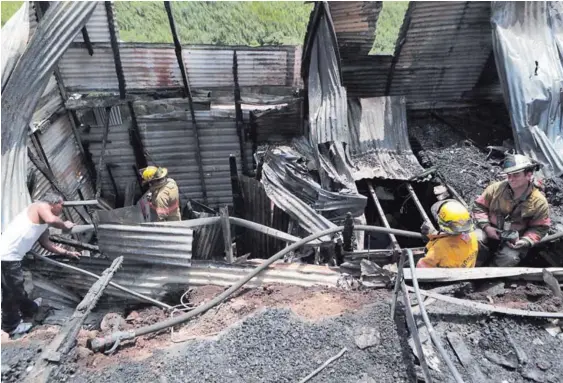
x=19, y=237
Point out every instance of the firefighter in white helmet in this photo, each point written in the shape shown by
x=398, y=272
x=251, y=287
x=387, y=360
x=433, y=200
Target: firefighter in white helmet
x=456, y=244
x=512, y=215
x=164, y=199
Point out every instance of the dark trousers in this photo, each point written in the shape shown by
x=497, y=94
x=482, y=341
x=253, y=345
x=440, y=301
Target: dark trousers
x=15, y=301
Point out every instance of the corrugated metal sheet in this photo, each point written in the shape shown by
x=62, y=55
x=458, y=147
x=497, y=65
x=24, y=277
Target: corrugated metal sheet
x=380, y=144
x=445, y=51
x=158, y=280
x=152, y=244
x=49, y=103
x=208, y=241
x=354, y=23
x=366, y=76
x=260, y=209
x=169, y=139
x=154, y=66
x=118, y=150
x=97, y=26
x=279, y=124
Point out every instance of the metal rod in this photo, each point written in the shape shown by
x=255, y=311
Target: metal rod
x=428, y=324
x=90, y=202
x=119, y=287
x=382, y=216
x=411, y=323
x=398, y=280
x=264, y=229
x=188, y=93
x=239, y=117
x=101, y=343
x=115, y=49
x=100, y=174
x=416, y=201
x=323, y=366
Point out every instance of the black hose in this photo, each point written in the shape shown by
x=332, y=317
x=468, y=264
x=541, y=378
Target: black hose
x=101, y=343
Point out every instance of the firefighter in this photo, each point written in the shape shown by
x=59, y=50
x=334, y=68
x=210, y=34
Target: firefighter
x=512, y=215
x=164, y=198
x=456, y=244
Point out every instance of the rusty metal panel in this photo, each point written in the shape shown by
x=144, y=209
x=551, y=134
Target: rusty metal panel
x=446, y=48
x=146, y=243
x=150, y=67
x=354, y=23
x=379, y=139
x=97, y=26
x=82, y=72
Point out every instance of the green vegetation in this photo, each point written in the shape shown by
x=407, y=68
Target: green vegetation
x=388, y=25
x=231, y=23
x=225, y=23
x=8, y=9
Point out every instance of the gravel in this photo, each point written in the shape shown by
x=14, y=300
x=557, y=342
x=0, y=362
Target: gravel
x=16, y=358
x=276, y=346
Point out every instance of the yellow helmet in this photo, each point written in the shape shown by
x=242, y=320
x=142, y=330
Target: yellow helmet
x=153, y=173
x=452, y=217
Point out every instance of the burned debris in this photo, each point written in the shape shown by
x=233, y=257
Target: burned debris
x=304, y=175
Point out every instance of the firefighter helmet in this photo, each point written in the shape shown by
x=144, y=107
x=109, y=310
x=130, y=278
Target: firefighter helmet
x=452, y=216
x=153, y=173
x=514, y=163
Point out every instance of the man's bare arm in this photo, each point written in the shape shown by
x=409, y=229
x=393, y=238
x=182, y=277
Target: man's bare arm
x=50, y=246
x=49, y=218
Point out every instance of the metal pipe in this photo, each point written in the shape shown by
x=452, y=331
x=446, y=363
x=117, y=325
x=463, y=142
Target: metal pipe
x=85, y=272
x=101, y=343
x=73, y=243
x=90, y=202
x=264, y=229
x=416, y=201
x=428, y=324
x=382, y=215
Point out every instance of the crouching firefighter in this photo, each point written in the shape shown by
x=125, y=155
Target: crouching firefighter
x=456, y=244
x=512, y=215
x=164, y=195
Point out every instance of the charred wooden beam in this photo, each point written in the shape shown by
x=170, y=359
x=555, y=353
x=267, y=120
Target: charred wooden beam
x=65, y=340
x=419, y=206
x=87, y=41
x=226, y=225
x=188, y=93
x=135, y=139
x=112, y=179
x=100, y=173
x=115, y=49
x=239, y=117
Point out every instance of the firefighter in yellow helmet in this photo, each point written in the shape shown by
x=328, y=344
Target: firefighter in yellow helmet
x=165, y=199
x=456, y=244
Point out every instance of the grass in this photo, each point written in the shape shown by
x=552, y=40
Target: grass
x=8, y=9
x=231, y=23
x=388, y=25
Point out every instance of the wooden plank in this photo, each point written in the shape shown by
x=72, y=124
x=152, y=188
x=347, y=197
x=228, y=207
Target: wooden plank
x=465, y=357
x=226, y=225
x=465, y=274
x=65, y=339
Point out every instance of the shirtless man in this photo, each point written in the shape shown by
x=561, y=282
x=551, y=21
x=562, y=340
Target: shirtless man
x=18, y=237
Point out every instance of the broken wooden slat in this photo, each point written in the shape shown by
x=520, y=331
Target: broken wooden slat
x=487, y=307
x=65, y=339
x=226, y=226
x=465, y=357
x=464, y=274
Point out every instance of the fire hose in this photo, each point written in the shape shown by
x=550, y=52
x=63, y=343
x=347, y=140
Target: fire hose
x=112, y=341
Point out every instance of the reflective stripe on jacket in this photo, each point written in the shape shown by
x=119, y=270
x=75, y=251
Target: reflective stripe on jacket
x=529, y=214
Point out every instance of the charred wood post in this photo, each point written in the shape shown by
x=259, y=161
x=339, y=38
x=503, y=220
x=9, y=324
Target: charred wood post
x=239, y=117
x=87, y=41
x=238, y=201
x=100, y=173
x=66, y=338
x=115, y=49
x=73, y=243
x=187, y=93
x=348, y=233
x=112, y=179
x=135, y=140
x=226, y=225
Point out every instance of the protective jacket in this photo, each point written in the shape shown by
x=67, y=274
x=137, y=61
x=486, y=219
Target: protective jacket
x=529, y=214
x=446, y=250
x=165, y=201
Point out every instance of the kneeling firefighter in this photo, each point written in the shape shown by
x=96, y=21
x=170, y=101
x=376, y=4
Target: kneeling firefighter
x=164, y=199
x=456, y=244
